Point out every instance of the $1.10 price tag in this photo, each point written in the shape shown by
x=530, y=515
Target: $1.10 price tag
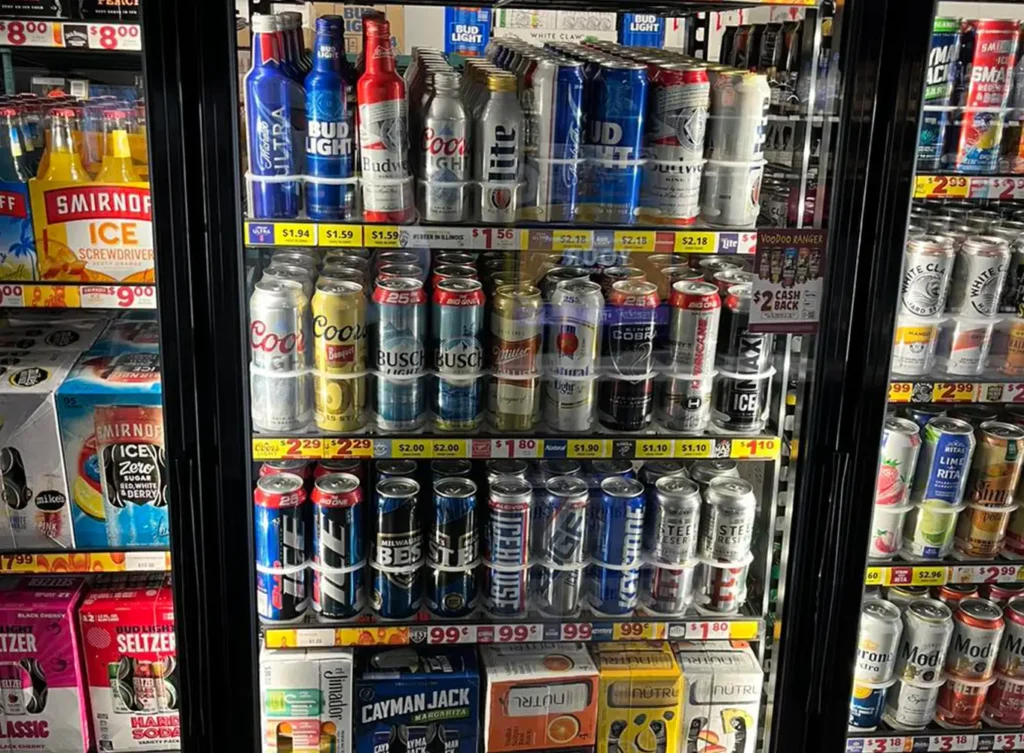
x=693, y=448
x=653, y=448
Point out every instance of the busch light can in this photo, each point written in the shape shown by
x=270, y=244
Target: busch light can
x=458, y=403
x=401, y=353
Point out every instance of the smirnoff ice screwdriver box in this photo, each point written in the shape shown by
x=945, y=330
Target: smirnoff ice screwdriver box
x=42, y=689
x=127, y=628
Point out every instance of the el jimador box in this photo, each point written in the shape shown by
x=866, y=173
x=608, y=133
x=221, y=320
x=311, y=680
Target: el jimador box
x=639, y=705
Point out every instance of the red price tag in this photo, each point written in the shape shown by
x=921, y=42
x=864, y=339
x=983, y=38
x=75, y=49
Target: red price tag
x=12, y=296
x=576, y=631
x=118, y=296
x=496, y=237
x=998, y=573
x=516, y=633
x=503, y=448
x=527, y=448
x=30, y=34
x=705, y=631
x=115, y=37
x=450, y=634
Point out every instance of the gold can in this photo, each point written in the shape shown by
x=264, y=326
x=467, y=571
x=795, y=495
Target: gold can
x=1014, y=363
x=512, y=403
x=1015, y=532
x=515, y=330
x=339, y=403
x=996, y=465
x=981, y=531
x=339, y=355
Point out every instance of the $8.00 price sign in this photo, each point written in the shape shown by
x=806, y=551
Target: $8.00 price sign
x=30, y=34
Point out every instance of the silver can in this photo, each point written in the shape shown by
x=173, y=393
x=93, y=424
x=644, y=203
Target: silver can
x=927, y=628
x=694, y=312
x=977, y=631
x=671, y=522
x=497, y=469
x=443, y=152
x=1010, y=661
x=557, y=275
x=927, y=271
x=281, y=271
x=498, y=151
x=738, y=116
x=705, y=471
x=878, y=639
x=903, y=595
x=730, y=194
x=721, y=590
x=572, y=340
x=666, y=590
x=278, y=321
x=727, y=521
x=979, y=274
x=909, y=706
x=556, y=590
x=684, y=405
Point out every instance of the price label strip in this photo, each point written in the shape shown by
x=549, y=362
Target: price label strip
x=572, y=240
x=941, y=187
x=639, y=631
x=382, y=236
x=372, y=636
x=294, y=234
x=693, y=448
x=347, y=448
x=694, y=242
x=766, y=448
x=900, y=575
x=582, y=449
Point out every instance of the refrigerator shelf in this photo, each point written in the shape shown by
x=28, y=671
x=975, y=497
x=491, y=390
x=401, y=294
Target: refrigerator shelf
x=77, y=296
x=58, y=34
x=60, y=562
x=414, y=447
x=955, y=392
x=498, y=238
x=973, y=187
x=940, y=573
x=524, y=630
x=937, y=741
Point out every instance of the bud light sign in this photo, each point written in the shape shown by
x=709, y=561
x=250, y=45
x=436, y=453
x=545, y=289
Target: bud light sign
x=467, y=31
x=641, y=30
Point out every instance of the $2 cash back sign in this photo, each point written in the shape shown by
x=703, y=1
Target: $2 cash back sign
x=788, y=282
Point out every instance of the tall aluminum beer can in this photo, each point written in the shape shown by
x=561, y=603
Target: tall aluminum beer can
x=574, y=335
x=498, y=151
x=339, y=355
x=443, y=151
x=979, y=273
x=927, y=271
x=278, y=339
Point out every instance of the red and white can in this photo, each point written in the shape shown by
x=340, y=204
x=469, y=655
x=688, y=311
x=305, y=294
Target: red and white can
x=693, y=327
x=1010, y=661
x=977, y=630
x=951, y=594
x=300, y=468
x=1004, y=704
x=721, y=590
x=1003, y=593
x=961, y=702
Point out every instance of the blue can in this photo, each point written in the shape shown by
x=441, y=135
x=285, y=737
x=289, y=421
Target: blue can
x=947, y=445
x=270, y=98
x=398, y=543
x=866, y=705
x=613, y=142
x=458, y=403
x=614, y=591
x=338, y=520
x=453, y=540
x=338, y=596
x=329, y=133
x=507, y=533
x=641, y=30
x=942, y=72
x=619, y=522
x=281, y=597
x=451, y=593
x=401, y=403
x=505, y=591
x=280, y=523
x=457, y=320
x=981, y=136
x=560, y=521
x=396, y=595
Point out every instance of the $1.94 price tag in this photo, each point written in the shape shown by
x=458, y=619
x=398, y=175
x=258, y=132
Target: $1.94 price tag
x=294, y=234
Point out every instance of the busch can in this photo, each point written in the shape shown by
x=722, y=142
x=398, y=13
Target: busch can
x=727, y=521
x=573, y=339
x=560, y=521
x=927, y=271
x=399, y=534
x=280, y=521
x=457, y=403
x=619, y=522
x=927, y=628
x=693, y=328
x=943, y=68
x=338, y=595
x=400, y=347
x=557, y=589
x=613, y=591
x=278, y=313
x=452, y=537
x=947, y=445
x=666, y=590
x=977, y=630
x=878, y=640
x=671, y=520
x=337, y=521
x=443, y=168
x=458, y=314
x=396, y=594
x=979, y=273
x=506, y=542
x=505, y=591
x=451, y=593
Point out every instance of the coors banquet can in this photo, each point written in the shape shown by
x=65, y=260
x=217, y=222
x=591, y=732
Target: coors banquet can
x=927, y=271
x=339, y=355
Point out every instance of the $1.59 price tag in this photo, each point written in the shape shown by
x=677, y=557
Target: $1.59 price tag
x=340, y=236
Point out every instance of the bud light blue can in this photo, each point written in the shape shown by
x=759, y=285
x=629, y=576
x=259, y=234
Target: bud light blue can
x=619, y=522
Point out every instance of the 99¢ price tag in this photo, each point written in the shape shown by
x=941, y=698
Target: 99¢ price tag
x=518, y=633
x=639, y=631
x=438, y=635
x=576, y=631
x=340, y=236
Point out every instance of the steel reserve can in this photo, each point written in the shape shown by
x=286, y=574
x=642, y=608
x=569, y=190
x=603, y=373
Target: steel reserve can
x=927, y=271
x=927, y=627
x=727, y=521
x=671, y=520
x=947, y=445
x=878, y=639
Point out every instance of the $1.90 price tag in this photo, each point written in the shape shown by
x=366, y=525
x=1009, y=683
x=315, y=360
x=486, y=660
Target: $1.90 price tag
x=588, y=448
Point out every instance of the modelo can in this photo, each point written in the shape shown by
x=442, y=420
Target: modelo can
x=1010, y=659
x=942, y=70
x=560, y=522
x=927, y=272
x=901, y=444
x=927, y=628
x=947, y=445
x=619, y=522
x=450, y=593
x=951, y=594
x=1003, y=593
x=977, y=629
x=878, y=640
x=452, y=537
x=727, y=521
x=996, y=464
x=909, y=705
x=671, y=520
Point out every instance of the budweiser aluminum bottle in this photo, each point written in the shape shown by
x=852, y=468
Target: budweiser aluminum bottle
x=498, y=155
x=443, y=151
x=383, y=130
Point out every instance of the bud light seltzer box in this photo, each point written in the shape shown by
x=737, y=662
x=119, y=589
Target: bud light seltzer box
x=722, y=696
x=35, y=512
x=539, y=700
x=127, y=627
x=639, y=705
x=417, y=700
x=306, y=700
x=42, y=689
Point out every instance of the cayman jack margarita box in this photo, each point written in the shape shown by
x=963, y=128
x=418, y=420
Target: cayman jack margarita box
x=417, y=700
x=131, y=664
x=42, y=689
x=541, y=700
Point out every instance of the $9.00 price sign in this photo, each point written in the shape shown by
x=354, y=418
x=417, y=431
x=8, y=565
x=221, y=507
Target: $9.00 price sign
x=790, y=270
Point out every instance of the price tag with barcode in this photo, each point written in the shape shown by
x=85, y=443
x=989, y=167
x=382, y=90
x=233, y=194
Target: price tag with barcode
x=115, y=37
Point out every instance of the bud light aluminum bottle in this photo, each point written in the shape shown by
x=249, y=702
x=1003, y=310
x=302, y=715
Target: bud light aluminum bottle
x=452, y=536
x=560, y=521
x=943, y=67
x=443, y=152
x=271, y=99
x=619, y=522
x=947, y=446
x=450, y=593
x=613, y=591
x=329, y=152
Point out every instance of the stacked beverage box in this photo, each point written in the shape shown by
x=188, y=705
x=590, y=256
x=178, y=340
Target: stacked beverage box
x=460, y=341
x=506, y=537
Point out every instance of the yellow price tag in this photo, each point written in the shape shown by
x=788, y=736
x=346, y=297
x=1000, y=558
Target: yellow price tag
x=411, y=448
x=900, y=392
x=761, y=449
x=381, y=236
x=52, y=296
x=341, y=236
x=634, y=240
x=639, y=631
x=588, y=448
x=953, y=392
x=449, y=448
x=874, y=576
x=280, y=638
x=693, y=448
x=942, y=187
x=372, y=636
x=572, y=240
x=287, y=448
x=928, y=576
x=743, y=631
x=695, y=242
x=348, y=448
x=654, y=448
x=294, y=234
x=24, y=563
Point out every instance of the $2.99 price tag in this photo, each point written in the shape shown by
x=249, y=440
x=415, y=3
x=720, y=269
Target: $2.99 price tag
x=941, y=187
x=900, y=392
x=953, y=392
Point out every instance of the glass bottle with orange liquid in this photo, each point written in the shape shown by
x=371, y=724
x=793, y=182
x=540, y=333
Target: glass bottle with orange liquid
x=63, y=161
x=117, y=154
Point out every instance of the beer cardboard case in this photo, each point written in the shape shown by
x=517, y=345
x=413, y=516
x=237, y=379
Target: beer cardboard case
x=722, y=696
x=127, y=629
x=35, y=511
x=61, y=335
x=639, y=704
x=111, y=427
x=43, y=703
x=541, y=700
x=417, y=700
x=306, y=700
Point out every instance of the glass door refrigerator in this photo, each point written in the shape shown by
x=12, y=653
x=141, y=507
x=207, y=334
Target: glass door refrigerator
x=507, y=327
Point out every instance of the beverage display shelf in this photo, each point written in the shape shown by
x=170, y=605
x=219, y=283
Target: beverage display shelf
x=53, y=562
x=926, y=391
x=935, y=741
x=76, y=296
x=940, y=573
x=62, y=34
x=972, y=187
x=524, y=630
x=526, y=447
x=499, y=238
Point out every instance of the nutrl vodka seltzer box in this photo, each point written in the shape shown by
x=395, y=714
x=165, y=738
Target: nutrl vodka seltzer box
x=722, y=696
x=306, y=700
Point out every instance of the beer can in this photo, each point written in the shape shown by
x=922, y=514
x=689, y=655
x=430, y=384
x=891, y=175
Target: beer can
x=397, y=594
x=947, y=446
x=721, y=589
x=516, y=330
x=878, y=639
x=738, y=116
x=613, y=591
x=457, y=325
x=450, y=593
x=739, y=402
x=727, y=521
x=401, y=403
x=671, y=521
x=693, y=330
x=507, y=531
x=742, y=351
x=401, y=318
x=928, y=531
x=927, y=272
x=975, y=415
x=280, y=521
x=922, y=414
x=927, y=629
x=282, y=596
x=511, y=403
x=961, y=702
x=979, y=273
x=951, y=594
x=1010, y=659
x=683, y=404
x=909, y=705
x=399, y=534
x=977, y=630
x=903, y=595
x=866, y=705
x=505, y=591
x=338, y=526
x=301, y=468
x=278, y=337
x=629, y=335
x=901, y=444
x=625, y=403
x=996, y=464
x=440, y=469
x=1003, y=593
x=560, y=521
x=497, y=469
x=914, y=346
x=338, y=595
x=618, y=522
x=452, y=537
x=1004, y=704
x=667, y=590
x=963, y=346
x=557, y=589
x=1011, y=335
x=730, y=193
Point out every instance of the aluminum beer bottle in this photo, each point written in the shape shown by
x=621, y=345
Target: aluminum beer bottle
x=329, y=153
x=443, y=151
x=383, y=130
x=498, y=150
x=274, y=144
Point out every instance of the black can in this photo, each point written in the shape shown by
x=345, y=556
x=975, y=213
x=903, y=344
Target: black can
x=625, y=404
x=338, y=595
x=975, y=415
x=557, y=590
x=451, y=593
x=453, y=540
x=450, y=469
x=740, y=350
x=399, y=538
x=740, y=403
